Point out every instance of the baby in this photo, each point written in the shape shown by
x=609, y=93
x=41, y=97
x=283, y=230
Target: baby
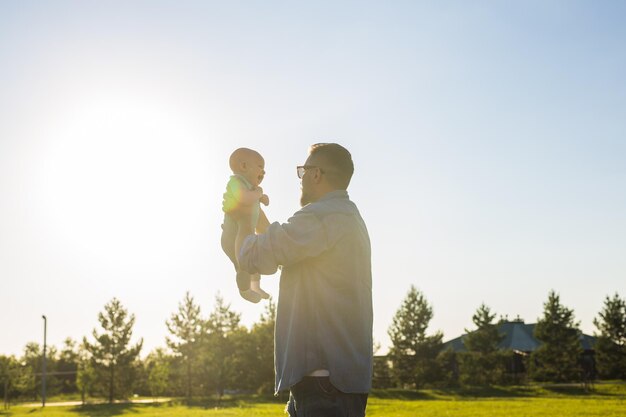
x=243, y=195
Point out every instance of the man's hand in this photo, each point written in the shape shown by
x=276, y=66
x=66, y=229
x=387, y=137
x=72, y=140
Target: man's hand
x=265, y=200
x=263, y=223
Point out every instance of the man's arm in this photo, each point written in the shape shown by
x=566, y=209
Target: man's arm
x=303, y=236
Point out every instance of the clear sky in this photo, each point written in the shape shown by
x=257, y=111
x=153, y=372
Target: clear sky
x=489, y=139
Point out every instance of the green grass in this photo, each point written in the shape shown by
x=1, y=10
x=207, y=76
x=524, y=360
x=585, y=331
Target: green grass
x=606, y=400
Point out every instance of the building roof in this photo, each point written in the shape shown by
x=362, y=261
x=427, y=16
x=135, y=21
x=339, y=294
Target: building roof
x=517, y=336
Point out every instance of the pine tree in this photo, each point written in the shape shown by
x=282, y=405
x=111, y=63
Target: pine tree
x=486, y=338
x=185, y=326
x=413, y=353
x=558, y=357
x=7, y=363
x=481, y=364
x=260, y=352
x=86, y=374
x=32, y=359
x=68, y=366
x=221, y=331
x=448, y=363
x=112, y=356
x=158, y=370
x=611, y=341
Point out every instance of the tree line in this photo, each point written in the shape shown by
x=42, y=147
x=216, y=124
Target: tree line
x=417, y=359
x=204, y=356
x=214, y=354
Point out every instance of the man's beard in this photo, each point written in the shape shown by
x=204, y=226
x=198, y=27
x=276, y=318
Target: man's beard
x=304, y=199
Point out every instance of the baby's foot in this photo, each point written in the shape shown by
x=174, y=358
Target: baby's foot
x=262, y=293
x=250, y=295
x=255, y=285
x=243, y=281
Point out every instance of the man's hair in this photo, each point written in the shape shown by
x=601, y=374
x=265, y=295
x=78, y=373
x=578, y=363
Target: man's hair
x=335, y=161
x=239, y=155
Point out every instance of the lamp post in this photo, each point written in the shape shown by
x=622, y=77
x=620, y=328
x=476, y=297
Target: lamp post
x=43, y=381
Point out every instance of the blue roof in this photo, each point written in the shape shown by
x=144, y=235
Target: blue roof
x=517, y=336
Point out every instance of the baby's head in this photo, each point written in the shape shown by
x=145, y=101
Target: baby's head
x=249, y=164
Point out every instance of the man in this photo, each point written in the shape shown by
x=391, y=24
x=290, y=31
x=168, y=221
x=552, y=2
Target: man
x=323, y=337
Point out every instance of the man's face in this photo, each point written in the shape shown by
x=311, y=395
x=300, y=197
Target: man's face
x=307, y=185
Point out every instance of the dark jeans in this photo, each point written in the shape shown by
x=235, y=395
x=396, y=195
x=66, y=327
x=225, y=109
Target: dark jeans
x=317, y=397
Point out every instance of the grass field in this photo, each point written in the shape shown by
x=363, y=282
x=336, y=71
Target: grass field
x=606, y=400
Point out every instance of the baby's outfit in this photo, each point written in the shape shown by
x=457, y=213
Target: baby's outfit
x=230, y=227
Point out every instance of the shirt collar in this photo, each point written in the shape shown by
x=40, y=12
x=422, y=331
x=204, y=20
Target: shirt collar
x=334, y=194
x=244, y=180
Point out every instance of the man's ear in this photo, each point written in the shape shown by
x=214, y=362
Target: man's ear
x=243, y=165
x=317, y=178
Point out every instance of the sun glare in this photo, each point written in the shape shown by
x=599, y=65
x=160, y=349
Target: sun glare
x=114, y=166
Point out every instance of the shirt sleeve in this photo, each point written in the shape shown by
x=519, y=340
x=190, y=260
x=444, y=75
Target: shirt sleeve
x=303, y=236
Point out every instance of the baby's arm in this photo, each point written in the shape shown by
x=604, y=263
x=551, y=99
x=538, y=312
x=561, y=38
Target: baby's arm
x=249, y=197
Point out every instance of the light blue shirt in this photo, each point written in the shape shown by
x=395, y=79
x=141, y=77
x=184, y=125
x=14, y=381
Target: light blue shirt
x=324, y=312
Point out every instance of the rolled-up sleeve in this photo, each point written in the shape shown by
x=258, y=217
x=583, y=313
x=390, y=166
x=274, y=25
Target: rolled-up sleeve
x=284, y=244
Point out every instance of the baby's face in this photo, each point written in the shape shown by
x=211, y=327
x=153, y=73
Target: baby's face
x=254, y=170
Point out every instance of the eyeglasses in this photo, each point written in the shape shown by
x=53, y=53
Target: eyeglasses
x=302, y=168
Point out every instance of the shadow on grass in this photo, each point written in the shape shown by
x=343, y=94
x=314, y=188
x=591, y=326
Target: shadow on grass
x=578, y=390
x=455, y=393
x=213, y=402
x=521, y=391
x=106, y=410
x=230, y=401
x=403, y=394
x=495, y=392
